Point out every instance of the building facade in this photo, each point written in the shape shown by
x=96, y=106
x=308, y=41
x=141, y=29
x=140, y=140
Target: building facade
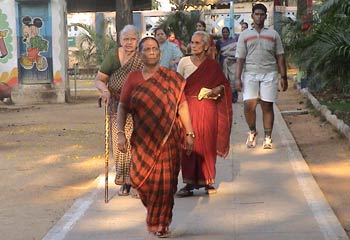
x=33, y=43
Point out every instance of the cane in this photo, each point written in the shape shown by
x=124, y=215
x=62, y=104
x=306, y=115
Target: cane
x=107, y=129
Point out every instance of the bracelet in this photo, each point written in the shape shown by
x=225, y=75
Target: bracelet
x=191, y=134
x=120, y=132
x=105, y=90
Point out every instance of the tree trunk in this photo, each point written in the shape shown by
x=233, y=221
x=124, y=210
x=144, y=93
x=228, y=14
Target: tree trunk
x=302, y=9
x=304, y=13
x=123, y=14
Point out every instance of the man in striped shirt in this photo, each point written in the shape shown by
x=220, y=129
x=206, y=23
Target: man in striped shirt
x=260, y=56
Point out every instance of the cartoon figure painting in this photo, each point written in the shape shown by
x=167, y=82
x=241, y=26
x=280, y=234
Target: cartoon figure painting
x=3, y=48
x=35, y=44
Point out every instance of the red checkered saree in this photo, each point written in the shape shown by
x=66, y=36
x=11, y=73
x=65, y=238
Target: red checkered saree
x=211, y=121
x=156, y=141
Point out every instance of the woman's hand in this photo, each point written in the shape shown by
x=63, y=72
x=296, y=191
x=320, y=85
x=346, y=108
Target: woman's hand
x=122, y=145
x=105, y=95
x=189, y=144
x=100, y=83
x=216, y=92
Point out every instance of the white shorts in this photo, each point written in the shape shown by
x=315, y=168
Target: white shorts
x=260, y=85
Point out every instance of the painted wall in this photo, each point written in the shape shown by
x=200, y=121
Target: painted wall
x=33, y=47
x=8, y=48
x=59, y=43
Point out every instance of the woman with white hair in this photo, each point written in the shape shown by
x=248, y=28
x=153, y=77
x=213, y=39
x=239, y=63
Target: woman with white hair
x=109, y=81
x=209, y=99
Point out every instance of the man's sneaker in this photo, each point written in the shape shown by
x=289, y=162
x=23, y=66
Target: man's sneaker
x=267, y=144
x=251, y=139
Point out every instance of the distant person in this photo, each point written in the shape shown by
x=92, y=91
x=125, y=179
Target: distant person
x=209, y=99
x=260, y=53
x=172, y=39
x=226, y=48
x=109, y=81
x=162, y=128
x=201, y=26
x=170, y=52
x=244, y=26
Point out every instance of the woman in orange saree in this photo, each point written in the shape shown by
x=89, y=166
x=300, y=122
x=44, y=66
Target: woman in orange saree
x=154, y=96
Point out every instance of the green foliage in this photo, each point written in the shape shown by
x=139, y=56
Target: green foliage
x=337, y=106
x=182, y=23
x=156, y=4
x=323, y=51
x=183, y=4
x=92, y=47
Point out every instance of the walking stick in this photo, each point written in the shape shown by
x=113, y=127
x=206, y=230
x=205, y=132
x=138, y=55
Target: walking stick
x=107, y=129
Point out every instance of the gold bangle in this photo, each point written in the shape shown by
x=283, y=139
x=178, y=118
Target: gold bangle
x=105, y=90
x=120, y=132
x=191, y=134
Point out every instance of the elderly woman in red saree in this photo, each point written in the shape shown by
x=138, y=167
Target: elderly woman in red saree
x=154, y=96
x=209, y=99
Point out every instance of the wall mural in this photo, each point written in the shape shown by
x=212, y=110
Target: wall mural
x=34, y=39
x=57, y=78
x=6, y=48
x=3, y=48
x=7, y=80
x=35, y=44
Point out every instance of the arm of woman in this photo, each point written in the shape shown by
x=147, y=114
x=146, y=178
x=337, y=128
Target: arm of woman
x=217, y=91
x=185, y=118
x=100, y=83
x=121, y=119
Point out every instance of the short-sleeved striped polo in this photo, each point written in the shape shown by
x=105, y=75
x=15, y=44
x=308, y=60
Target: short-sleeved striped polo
x=259, y=50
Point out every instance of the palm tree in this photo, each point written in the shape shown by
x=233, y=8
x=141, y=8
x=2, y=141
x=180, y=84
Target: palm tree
x=92, y=47
x=182, y=23
x=324, y=50
x=181, y=5
x=85, y=54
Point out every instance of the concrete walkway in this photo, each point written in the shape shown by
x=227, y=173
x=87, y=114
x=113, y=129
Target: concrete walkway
x=262, y=194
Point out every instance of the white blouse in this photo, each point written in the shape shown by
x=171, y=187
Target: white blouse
x=186, y=67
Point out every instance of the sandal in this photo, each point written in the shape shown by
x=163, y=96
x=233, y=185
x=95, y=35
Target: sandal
x=163, y=234
x=210, y=189
x=124, y=190
x=184, y=192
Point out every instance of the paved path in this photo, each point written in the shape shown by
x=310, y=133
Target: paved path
x=262, y=194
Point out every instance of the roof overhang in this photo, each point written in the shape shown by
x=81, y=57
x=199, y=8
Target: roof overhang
x=217, y=2
x=74, y=6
